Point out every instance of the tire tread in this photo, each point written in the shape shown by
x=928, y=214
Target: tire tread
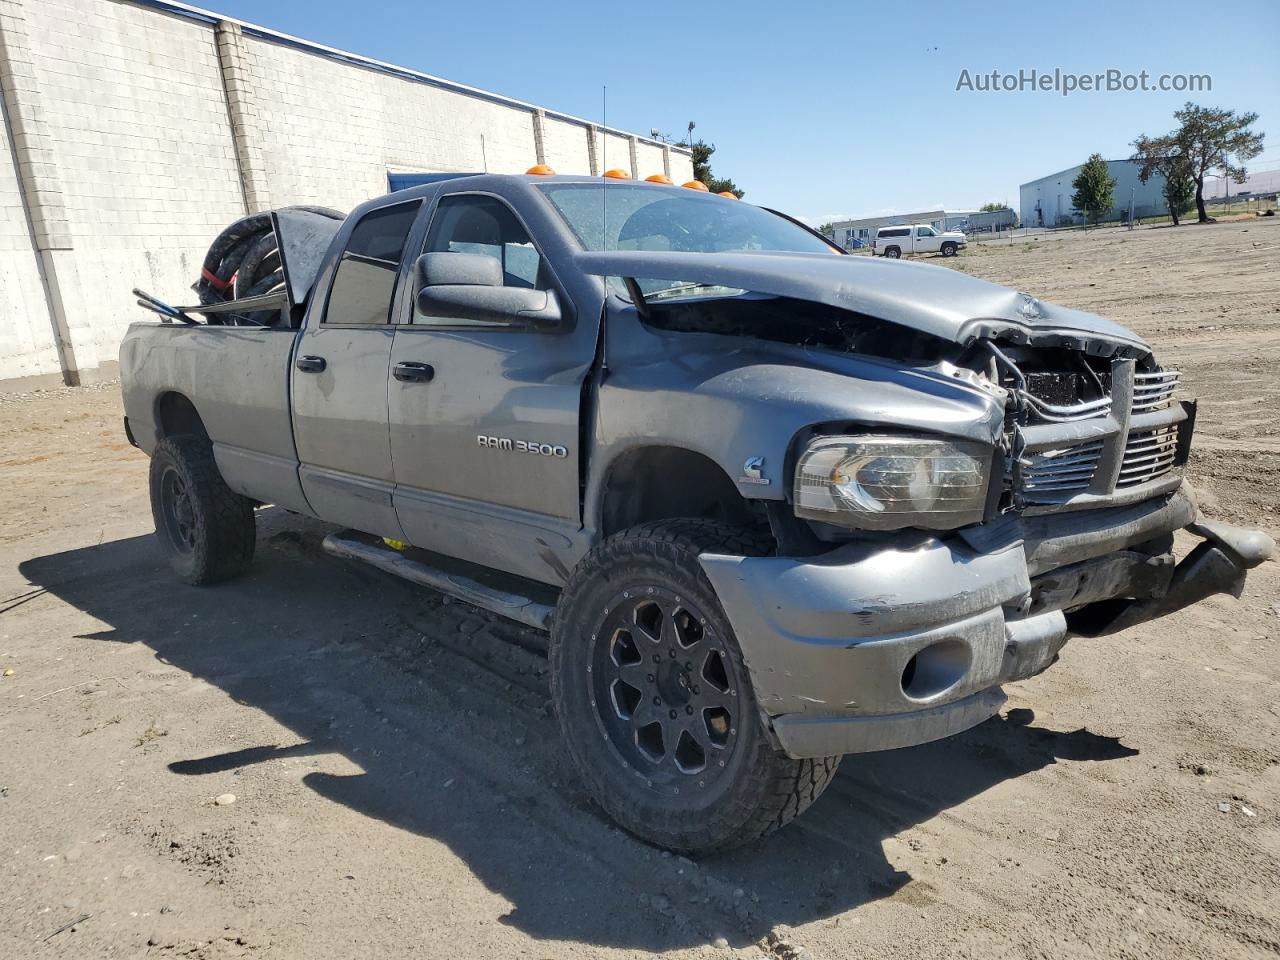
x=226, y=534
x=789, y=786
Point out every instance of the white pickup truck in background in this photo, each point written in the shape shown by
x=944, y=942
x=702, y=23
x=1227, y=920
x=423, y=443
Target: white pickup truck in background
x=893, y=242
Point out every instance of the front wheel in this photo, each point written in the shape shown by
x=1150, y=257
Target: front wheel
x=654, y=700
x=948, y=249
x=205, y=528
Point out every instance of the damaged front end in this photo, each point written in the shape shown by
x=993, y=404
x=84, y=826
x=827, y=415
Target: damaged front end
x=1094, y=443
x=884, y=633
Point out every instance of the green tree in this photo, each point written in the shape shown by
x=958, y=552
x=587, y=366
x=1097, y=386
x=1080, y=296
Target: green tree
x=1094, y=189
x=827, y=229
x=1179, y=189
x=992, y=207
x=1214, y=138
x=1164, y=156
x=702, y=152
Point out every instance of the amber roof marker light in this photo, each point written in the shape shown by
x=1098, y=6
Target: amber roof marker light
x=616, y=174
x=695, y=185
x=659, y=178
x=540, y=170
x=728, y=193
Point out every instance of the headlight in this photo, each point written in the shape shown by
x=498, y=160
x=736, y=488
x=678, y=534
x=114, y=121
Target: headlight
x=886, y=483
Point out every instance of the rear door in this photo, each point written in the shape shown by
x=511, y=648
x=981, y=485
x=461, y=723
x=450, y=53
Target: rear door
x=486, y=447
x=340, y=379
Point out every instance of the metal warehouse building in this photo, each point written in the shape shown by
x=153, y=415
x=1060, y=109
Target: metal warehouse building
x=1047, y=202
x=135, y=130
x=844, y=232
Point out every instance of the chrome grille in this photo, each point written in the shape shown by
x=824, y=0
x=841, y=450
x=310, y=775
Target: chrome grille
x=1153, y=391
x=1148, y=455
x=1072, y=453
x=1051, y=476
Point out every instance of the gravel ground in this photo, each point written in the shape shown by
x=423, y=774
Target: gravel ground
x=317, y=760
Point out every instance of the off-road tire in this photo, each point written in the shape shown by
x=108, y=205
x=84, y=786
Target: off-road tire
x=217, y=542
x=761, y=788
x=893, y=253
x=948, y=249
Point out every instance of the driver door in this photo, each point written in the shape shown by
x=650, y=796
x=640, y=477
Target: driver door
x=484, y=416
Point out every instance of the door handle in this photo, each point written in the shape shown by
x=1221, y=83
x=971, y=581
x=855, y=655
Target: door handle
x=311, y=364
x=411, y=372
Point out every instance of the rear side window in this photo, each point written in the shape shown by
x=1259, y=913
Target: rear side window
x=366, y=278
x=905, y=231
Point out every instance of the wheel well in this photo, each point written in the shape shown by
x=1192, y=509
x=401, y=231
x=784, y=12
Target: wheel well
x=663, y=483
x=177, y=416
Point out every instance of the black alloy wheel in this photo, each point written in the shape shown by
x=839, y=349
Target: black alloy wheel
x=665, y=690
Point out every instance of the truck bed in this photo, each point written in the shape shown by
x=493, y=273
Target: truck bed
x=241, y=375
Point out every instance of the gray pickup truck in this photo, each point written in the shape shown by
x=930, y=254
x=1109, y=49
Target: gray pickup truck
x=774, y=504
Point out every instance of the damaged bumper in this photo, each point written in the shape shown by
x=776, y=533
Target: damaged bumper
x=871, y=647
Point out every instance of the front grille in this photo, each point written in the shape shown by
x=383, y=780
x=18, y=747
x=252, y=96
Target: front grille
x=1052, y=475
x=1148, y=455
x=1153, y=391
x=1086, y=448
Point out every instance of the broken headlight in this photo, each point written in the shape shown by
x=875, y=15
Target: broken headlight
x=886, y=483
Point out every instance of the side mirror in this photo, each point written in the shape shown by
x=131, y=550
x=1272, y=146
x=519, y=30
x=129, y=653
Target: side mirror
x=468, y=286
x=457, y=269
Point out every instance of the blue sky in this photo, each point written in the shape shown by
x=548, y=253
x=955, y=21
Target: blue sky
x=836, y=109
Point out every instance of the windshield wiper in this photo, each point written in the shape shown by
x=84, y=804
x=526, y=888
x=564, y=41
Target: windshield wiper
x=683, y=289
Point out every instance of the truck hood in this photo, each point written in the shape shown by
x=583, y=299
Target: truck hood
x=935, y=300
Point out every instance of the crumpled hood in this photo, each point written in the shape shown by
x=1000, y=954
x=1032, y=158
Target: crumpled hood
x=935, y=300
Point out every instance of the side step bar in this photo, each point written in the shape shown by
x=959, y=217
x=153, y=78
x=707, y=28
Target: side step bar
x=510, y=605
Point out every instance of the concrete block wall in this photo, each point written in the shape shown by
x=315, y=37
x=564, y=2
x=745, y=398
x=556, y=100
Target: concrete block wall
x=26, y=344
x=649, y=160
x=331, y=130
x=566, y=146
x=135, y=130
x=135, y=105
x=614, y=152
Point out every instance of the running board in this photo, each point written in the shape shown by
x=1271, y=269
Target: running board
x=510, y=605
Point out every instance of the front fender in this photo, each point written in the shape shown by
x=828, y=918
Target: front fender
x=735, y=400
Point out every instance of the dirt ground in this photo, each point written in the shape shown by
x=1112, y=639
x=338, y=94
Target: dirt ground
x=400, y=789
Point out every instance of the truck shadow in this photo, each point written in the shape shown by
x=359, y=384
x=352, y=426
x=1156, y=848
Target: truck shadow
x=352, y=663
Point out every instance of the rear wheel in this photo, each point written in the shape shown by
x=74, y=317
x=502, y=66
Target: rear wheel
x=205, y=529
x=654, y=699
x=893, y=253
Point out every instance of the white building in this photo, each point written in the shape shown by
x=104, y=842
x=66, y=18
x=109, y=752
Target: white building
x=135, y=130
x=1047, y=202
x=845, y=232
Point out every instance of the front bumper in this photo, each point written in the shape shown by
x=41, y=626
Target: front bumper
x=873, y=647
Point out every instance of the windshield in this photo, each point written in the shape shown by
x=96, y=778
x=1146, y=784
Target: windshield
x=623, y=216
x=634, y=216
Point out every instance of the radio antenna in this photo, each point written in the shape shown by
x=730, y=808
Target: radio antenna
x=484, y=158
x=604, y=163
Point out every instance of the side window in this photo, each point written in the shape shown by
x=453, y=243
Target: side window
x=366, y=277
x=924, y=232
x=484, y=225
